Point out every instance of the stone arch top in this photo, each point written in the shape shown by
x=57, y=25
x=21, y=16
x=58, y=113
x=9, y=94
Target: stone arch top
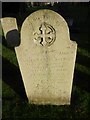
x=45, y=27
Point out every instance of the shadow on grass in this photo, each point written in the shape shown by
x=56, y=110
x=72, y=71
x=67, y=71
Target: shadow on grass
x=83, y=60
x=81, y=80
x=11, y=75
x=82, y=39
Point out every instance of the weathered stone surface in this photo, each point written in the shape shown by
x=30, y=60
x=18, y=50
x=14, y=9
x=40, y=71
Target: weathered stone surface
x=46, y=58
x=11, y=32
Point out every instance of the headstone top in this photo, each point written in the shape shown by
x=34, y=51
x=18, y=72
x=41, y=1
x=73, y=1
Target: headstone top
x=46, y=25
x=9, y=24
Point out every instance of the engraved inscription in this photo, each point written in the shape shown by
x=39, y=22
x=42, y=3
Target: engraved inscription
x=57, y=66
x=47, y=35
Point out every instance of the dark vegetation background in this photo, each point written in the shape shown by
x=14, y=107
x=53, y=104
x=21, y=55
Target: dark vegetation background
x=15, y=105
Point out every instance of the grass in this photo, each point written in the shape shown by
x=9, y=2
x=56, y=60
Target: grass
x=15, y=108
x=15, y=105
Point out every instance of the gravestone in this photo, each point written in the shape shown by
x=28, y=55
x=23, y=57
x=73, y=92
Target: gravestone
x=46, y=57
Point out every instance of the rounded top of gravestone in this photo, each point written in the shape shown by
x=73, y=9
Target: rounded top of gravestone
x=45, y=28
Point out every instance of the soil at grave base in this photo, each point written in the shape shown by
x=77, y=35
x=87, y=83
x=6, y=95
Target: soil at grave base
x=51, y=101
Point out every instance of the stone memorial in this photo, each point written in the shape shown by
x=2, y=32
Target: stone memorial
x=46, y=57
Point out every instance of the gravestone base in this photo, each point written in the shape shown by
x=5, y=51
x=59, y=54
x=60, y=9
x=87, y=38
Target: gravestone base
x=50, y=101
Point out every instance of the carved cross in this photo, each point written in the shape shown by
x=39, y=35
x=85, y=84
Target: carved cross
x=45, y=37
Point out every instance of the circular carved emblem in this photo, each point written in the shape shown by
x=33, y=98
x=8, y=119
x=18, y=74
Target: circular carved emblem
x=46, y=36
